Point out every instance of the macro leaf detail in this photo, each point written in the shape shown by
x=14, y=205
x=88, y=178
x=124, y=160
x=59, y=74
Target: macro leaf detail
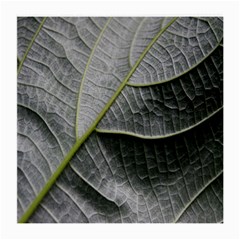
x=120, y=119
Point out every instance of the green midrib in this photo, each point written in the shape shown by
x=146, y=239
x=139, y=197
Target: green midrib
x=81, y=140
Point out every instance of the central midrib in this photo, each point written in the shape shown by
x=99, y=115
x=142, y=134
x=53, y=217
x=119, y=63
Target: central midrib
x=81, y=140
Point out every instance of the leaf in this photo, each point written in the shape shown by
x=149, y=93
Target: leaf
x=170, y=108
x=26, y=29
x=120, y=120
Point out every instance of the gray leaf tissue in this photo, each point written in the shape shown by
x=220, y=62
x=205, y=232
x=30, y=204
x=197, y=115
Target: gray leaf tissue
x=120, y=120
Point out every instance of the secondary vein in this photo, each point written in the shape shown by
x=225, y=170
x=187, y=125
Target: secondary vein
x=81, y=140
x=138, y=135
x=197, y=194
x=30, y=45
x=85, y=72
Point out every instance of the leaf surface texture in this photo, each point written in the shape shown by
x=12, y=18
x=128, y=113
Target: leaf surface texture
x=134, y=106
